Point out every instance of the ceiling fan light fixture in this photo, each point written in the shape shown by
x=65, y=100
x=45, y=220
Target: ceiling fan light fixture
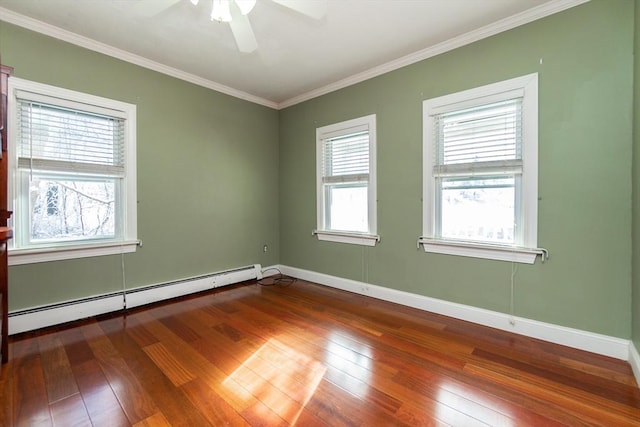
x=220, y=11
x=245, y=6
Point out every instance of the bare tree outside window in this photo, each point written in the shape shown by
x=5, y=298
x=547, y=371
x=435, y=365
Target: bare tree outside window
x=73, y=175
x=71, y=158
x=71, y=209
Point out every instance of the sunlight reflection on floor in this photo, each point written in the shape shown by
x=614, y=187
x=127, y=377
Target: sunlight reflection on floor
x=465, y=400
x=353, y=365
x=280, y=377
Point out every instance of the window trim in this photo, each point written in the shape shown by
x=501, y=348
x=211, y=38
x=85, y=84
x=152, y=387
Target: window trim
x=75, y=249
x=46, y=254
x=366, y=239
x=527, y=87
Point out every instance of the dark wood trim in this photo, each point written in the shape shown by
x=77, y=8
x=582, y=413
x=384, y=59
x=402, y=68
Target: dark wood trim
x=5, y=72
x=5, y=214
x=5, y=234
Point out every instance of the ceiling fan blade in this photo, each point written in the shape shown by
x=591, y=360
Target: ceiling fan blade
x=152, y=7
x=315, y=9
x=242, y=31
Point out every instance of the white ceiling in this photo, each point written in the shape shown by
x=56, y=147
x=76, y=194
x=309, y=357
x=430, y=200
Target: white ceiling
x=297, y=57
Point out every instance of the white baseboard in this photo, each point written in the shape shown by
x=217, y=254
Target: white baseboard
x=634, y=361
x=41, y=317
x=149, y=294
x=576, y=338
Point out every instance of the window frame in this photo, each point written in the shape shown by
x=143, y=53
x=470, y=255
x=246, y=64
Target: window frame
x=369, y=238
x=526, y=251
x=127, y=241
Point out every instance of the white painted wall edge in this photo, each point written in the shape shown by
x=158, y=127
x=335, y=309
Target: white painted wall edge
x=596, y=343
x=68, y=311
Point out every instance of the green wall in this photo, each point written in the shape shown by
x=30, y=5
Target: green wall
x=219, y=177
x=636, y=186
x=584, y=57
x=207, y=175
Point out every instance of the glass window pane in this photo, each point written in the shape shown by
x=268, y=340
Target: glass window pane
x=347, y=208
x=71, y=209
x=480, y=209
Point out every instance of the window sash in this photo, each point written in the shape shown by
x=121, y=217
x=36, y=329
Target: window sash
x=61, y=139
x=345, y=156
x=523, y=166
x=346, y=159
x=118, y=167
x=476, y=144
x=491, y=182
x=330, y=221
x=345, y=162
x=479, y=169
x=25, y=204
x=479, y=134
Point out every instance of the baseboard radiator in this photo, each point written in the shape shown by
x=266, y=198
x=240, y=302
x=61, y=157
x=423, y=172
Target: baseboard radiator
x=67, y=311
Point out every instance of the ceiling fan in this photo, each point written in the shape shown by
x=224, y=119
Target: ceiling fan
x=235, y=12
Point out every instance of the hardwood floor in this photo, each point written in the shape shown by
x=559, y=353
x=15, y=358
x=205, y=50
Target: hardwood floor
x=303, y=355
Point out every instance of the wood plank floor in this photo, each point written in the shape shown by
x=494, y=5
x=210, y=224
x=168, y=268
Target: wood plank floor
x=303, y=355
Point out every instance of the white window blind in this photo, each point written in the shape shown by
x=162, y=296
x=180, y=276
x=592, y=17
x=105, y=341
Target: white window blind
x=480, y=140
x=480, y=171
x=346, y=158
x=60, y=139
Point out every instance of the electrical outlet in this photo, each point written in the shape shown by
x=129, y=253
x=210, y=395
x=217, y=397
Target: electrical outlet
x=265, y=248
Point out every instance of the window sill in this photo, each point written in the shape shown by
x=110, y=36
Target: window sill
x=351, y=238
x=484, y=251
x=58, y=253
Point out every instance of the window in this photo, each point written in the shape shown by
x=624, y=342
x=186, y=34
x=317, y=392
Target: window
x=346, y=181
x=72, y=179
x=481, y=172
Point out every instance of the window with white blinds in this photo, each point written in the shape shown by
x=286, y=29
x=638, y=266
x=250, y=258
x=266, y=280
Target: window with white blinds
x=482, y=138
x=346, y=181
x=68, y=140
x=346, y=157
x=73, y=173
x=480, y=168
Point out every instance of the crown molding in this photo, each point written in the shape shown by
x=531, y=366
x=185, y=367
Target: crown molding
x=96, y=46
x=497, y=27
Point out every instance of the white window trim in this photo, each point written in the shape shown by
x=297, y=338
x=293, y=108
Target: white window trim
x=528, y=86
x=481, y=250
x=353, y=238
x=30, y=256
x=72, y=250
x=365, y=239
